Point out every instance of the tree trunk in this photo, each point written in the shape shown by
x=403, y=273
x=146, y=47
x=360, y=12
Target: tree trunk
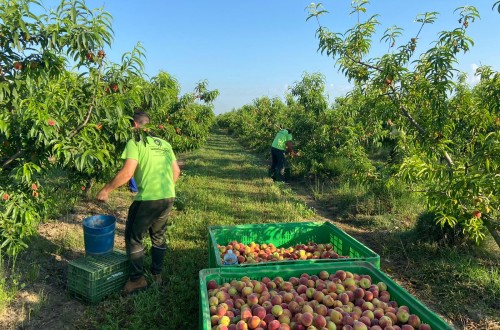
x=493, y=229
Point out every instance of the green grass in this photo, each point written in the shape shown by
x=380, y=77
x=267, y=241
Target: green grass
x=221, y=184
x=7, y=289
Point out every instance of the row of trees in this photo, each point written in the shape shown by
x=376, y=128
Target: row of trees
x=443, y=135
x=66, y=109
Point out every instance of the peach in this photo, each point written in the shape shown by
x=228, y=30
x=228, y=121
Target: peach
x=336, y=316
x=307, y=319
x=347, y=320
x=252, y=299
x=212, y=284
x=319, y=321
x=369, y=314
x=310, y=292
x=288, y=297
x=284, y=319
x=277, y=310
x=254, y=322
x=294, y=307
x=321, y=309
x=307, y=309
x=260, y=312
x=301, y=288
x=402, y=315
x=359, y=293
x=340, y=274
x=273, y=325
x=414, y=321
x=328, y=301
x=224, y=320
x=366, y=320
x=359, y=326
x=276, y=300
x=318, y=296
x=365, y=283
x=393, y=317
x=408, y=327
x=382, y=286
x=331, y=326
x=221, y=310
x=344, y=298
x=258, y=287
x=385, y=321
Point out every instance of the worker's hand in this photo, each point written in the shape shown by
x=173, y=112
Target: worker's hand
x=103, y=195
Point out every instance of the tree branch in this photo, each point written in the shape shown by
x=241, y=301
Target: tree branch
x=12, y=158
x=363, y=63
x=89, y=112
x=82, y=125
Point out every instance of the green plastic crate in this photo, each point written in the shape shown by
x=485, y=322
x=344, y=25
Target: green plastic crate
x=92, y=278
x=285, y=235
x=227, y=274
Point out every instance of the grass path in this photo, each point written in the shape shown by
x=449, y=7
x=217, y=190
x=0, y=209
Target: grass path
x=222, y=184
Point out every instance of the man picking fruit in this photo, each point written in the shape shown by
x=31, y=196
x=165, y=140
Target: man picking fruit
x=152, y=163
x=282, y=144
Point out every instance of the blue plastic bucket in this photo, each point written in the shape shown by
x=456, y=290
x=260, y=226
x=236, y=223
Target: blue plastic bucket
x=99, y=234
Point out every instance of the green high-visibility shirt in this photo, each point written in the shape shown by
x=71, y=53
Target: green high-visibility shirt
x=154, y=174
x=281, y=138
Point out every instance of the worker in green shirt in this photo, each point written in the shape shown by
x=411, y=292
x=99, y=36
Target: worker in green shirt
x=152, y=163
x=282, y=144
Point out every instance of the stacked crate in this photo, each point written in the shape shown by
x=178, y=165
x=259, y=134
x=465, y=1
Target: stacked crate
x=91, y=278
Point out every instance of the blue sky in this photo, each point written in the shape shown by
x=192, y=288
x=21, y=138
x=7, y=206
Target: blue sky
x=248, y=49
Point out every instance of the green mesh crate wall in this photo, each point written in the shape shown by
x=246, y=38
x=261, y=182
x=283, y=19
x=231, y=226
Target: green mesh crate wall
x=227, y=274
x=285, y=235
x=91, y=278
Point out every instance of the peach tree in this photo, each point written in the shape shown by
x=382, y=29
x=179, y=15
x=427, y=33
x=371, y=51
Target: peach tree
x=448, y=132
x=66, y=109
x=53, y=120
x=183, y=120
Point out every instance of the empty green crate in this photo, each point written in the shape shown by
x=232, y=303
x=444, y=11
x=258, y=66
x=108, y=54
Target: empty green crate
x=286, y=235
x=92, y=278
x=398, y=294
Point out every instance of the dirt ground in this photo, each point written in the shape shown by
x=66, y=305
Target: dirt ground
x=46, y=304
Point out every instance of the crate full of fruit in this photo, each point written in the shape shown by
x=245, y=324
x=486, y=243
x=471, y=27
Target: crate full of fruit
x=343, y=295
x=279, y=243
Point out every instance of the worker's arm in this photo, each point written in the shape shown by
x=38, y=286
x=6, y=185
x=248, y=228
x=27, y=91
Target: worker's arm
x=177, y=171
x=122, y=177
